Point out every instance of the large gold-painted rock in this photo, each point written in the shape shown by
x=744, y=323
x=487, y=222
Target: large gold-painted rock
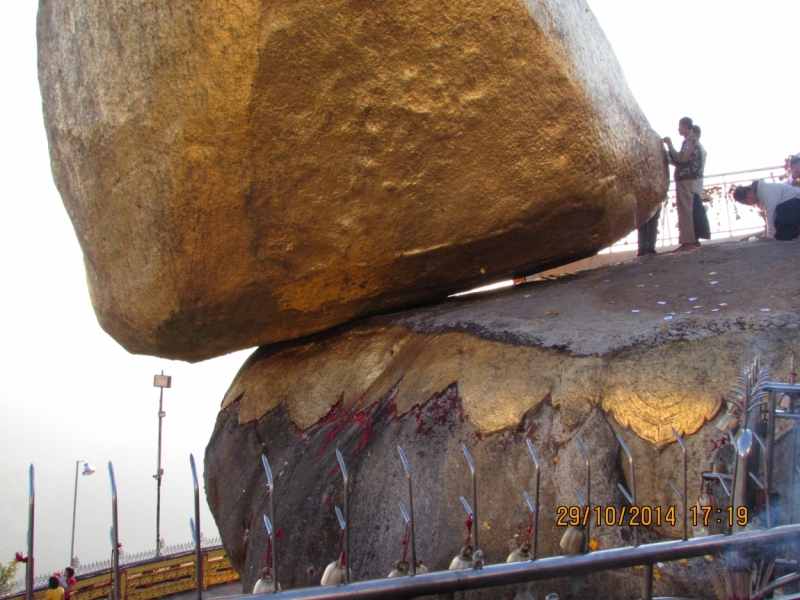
x=241, y=172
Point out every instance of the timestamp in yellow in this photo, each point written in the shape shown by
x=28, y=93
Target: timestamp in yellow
x=706, y=514
x=634, y=516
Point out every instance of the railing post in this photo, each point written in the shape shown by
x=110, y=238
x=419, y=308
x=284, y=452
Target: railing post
x=411, y=541
x=588, y=490
x=198, y=558
x=536, y=499
x=273, y=536
x=31, y=510
x=647, y=583
x=114, y=533
x=474, y=497
x=347, y=559
x=744, y=449
x=770, y=452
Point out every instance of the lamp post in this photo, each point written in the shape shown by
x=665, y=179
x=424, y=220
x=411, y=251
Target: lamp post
x=87, y=470
x=160, y=381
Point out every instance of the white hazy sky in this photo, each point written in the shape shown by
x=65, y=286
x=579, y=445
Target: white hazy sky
x=70, y=392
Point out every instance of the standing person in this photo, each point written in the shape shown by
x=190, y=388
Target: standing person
x=688, y=167
x=648, y=233
x=54, y=590
x=781, y=204
x=69, y=576
x=702, y=228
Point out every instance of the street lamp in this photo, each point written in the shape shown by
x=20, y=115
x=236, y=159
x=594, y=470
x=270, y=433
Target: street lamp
x=87, y=470
x=160, y=381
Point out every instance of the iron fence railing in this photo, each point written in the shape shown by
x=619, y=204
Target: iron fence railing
x=445, y=583
x=726, y=217
x=126, y=559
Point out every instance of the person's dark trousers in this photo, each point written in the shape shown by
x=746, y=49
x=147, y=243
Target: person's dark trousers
x=702, y=228
x=787, y=219
x=648, y=233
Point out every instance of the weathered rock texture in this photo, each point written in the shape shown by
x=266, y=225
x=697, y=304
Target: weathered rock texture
x=240, y=172
x=546, y=361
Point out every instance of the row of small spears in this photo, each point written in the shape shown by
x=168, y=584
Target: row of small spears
x=574, y=541
x=749, y=394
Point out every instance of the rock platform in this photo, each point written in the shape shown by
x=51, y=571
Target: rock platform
x=544, y=361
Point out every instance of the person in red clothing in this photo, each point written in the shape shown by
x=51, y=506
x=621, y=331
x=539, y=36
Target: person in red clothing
x=69, y=575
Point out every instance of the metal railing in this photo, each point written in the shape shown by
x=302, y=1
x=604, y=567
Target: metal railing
x=726, y=217
x=200, y=547
x=445, y=582
x=126, y=559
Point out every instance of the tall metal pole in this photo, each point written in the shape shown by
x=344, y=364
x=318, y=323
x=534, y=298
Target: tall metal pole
x=159, y=472
x=29, y=564
x=160, y=381
x=114, y=532
x=87, y=470
x=74, y=507
x=198, y=558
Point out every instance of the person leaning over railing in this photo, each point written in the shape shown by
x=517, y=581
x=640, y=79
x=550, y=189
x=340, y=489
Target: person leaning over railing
x=781, y=204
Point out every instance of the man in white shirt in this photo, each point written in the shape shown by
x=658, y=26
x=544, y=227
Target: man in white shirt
x=781, y=204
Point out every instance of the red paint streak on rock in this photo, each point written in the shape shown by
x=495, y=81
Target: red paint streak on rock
x=436, y=411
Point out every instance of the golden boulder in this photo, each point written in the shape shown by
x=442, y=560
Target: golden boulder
x=240, y=173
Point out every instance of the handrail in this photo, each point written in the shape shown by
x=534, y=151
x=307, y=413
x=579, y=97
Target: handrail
x=442, y=582
x=743, y=172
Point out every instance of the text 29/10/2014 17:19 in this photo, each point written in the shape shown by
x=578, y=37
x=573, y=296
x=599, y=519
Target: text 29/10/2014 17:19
x=646, y=516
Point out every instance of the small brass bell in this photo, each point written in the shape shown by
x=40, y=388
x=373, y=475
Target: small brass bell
x=717, y=464
x=521, y=554
x=264, y=585
x=402, y=568
x=573, y=539
x=463, y=560
x=785, y=403
x=334, y=574
x=728, y=422
x=704, y=499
